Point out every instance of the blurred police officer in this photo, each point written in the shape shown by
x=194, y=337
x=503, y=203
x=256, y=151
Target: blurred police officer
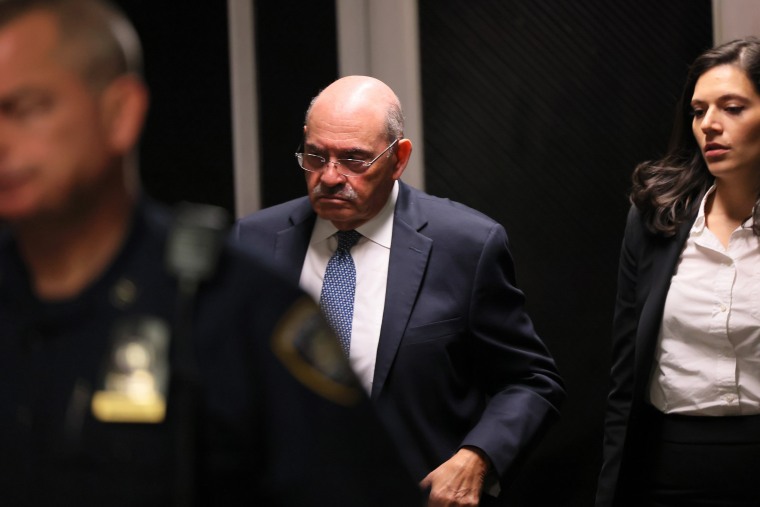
x=142, y=360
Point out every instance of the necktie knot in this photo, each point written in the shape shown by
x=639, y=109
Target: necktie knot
x=347, y=239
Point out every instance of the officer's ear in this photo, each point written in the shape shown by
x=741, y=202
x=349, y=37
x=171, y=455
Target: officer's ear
x=124, y=105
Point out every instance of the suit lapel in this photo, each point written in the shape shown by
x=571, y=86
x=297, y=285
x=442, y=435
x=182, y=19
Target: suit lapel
x=409, y=255
x=291, y=243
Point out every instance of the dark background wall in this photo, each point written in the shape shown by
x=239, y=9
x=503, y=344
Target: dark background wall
x=297, y=57
x=535, y=112
x=186, y=149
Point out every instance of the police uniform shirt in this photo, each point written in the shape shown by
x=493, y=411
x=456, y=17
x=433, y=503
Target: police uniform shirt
x=277, y=421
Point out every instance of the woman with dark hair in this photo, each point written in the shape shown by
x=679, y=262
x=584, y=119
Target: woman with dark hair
x=683, y=415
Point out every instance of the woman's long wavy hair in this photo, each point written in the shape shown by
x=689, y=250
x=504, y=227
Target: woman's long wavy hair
x=666, y=191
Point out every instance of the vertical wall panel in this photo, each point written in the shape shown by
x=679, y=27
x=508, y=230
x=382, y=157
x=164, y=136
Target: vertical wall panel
x=733, y=19
x=245, y=107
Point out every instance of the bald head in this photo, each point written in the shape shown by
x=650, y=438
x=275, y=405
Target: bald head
x=361, y=96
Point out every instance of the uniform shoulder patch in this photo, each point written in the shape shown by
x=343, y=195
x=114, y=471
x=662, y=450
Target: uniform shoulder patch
x=308, y=348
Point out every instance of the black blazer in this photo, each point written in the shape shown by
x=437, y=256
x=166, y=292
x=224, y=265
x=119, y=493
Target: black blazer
x=647, y=263
x=458, y=361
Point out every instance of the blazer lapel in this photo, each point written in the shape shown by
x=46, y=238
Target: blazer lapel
x=410, y=251
x=664, y=256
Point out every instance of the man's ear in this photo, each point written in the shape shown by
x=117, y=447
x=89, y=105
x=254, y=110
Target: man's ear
x=403, y=152
x=124, y=104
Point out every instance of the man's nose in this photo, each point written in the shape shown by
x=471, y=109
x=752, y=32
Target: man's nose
x=330, y=174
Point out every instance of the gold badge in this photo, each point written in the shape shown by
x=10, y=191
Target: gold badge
x=135, y=380
x=310, y=351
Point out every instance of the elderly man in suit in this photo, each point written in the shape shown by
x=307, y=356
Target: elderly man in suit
x=427, y=307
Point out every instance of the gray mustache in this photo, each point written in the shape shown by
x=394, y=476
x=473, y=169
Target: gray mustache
x=344, y=192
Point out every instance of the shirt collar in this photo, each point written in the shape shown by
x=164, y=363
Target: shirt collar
x=379, y=229
x=700, y=222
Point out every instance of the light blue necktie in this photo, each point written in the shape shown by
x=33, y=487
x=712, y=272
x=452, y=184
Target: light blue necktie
x=339, y=287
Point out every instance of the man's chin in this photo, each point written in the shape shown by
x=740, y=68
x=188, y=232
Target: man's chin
x=336, y=214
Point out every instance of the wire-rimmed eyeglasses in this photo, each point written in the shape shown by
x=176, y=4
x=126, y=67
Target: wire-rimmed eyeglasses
x=345, y=166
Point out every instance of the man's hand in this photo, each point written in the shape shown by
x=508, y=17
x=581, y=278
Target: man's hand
x=458, y=481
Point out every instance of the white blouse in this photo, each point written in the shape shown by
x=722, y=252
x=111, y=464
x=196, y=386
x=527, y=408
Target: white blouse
x=707, y=360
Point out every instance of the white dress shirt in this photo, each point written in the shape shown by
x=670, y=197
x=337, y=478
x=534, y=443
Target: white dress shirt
x=707, y=360
x=371, y=257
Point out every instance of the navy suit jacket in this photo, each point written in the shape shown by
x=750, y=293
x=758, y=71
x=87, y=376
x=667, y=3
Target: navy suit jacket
x=647, y=264
x=458, y=361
